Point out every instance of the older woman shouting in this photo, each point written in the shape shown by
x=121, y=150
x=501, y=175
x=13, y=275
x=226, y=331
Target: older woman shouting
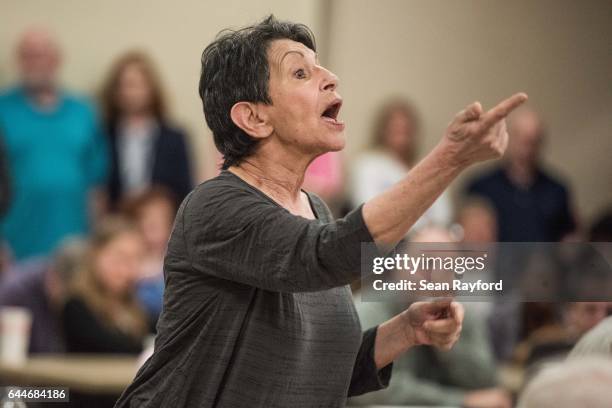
x=257, y=309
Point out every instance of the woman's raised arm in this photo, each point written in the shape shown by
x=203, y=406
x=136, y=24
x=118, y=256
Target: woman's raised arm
x=472, y=136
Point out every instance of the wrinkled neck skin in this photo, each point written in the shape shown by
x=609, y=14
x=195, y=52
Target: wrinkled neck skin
x=279, y=174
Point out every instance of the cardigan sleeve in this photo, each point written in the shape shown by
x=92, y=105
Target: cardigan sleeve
x=234, y=234
x=366, y=376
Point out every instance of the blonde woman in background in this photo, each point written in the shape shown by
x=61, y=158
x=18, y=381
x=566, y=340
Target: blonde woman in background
x=392, y=153
x=102, y=314
x=153, y=211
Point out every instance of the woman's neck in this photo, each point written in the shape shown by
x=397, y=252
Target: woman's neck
x=281, y=180
x=137, y=119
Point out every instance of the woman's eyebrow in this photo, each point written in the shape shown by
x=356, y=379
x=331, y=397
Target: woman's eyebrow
x=289, y=52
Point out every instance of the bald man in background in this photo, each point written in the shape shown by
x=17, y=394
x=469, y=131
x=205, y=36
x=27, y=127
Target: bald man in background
x=56, y=154
x=531, y=204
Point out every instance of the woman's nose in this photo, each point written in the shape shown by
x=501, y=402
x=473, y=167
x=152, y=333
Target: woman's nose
x=330, y=81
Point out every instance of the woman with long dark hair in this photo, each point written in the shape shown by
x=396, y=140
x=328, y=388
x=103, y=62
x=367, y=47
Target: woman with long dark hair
x=146, y=149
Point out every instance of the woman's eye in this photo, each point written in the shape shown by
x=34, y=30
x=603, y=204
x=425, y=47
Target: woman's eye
x=300, y=74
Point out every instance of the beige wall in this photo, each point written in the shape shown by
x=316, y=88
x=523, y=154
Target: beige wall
x=442, y=54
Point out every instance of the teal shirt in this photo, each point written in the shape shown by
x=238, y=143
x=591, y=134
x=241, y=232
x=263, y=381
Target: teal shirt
x=55, y=158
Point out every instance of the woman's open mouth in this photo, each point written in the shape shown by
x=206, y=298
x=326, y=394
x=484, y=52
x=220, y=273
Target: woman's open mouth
x=330, y=114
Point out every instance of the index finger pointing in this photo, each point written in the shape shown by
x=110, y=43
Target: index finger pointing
x=503, y=109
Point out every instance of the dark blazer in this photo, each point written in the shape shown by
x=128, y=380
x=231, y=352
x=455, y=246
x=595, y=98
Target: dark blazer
x=171, y=163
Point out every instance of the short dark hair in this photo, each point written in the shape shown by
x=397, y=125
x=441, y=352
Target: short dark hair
x=235, y=68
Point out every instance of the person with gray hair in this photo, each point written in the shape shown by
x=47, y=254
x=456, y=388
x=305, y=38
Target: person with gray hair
x=584, y=382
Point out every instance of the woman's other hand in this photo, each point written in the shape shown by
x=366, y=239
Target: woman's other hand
x=435, y=323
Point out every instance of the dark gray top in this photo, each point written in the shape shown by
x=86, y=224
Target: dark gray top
x=257, y=311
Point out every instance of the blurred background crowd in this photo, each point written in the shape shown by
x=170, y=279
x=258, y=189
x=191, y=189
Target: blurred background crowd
x=102, y=136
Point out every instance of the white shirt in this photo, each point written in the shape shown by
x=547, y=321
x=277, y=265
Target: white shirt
x=135, y=155
x=375, y=171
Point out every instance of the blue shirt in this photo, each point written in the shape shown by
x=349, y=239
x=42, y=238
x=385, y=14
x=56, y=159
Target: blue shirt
x=55, y=157
x=150, y=293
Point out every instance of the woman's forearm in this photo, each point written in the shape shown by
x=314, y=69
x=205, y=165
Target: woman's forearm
x=471, y=137
x=390, y=215
x=392, y=340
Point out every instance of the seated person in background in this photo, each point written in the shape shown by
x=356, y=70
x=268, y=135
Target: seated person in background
x=102, y=314
x=464, y=376
x=555, y=338
x=597, y=342
x=392, y=153
x=477, y=222
x=153, y=212
x=554, y=342
x=531, y=205
x=146, y=149
x=40, y=286
x=583, y=382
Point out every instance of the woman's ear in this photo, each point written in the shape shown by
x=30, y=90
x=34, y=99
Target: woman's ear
x=249, y=117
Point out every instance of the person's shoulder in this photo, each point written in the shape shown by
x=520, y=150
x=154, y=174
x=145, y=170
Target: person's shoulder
x=8, y=93
x=22, y=284
x=9, y=96
x=171, y=130
x=224, y=182
x=553, y=180
x=75, y=305
x=80, y=103
x=224, y=206
x=320, y=207
x=222, y=194
x=29, y=270
x=76, y=313
x=171, y=137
